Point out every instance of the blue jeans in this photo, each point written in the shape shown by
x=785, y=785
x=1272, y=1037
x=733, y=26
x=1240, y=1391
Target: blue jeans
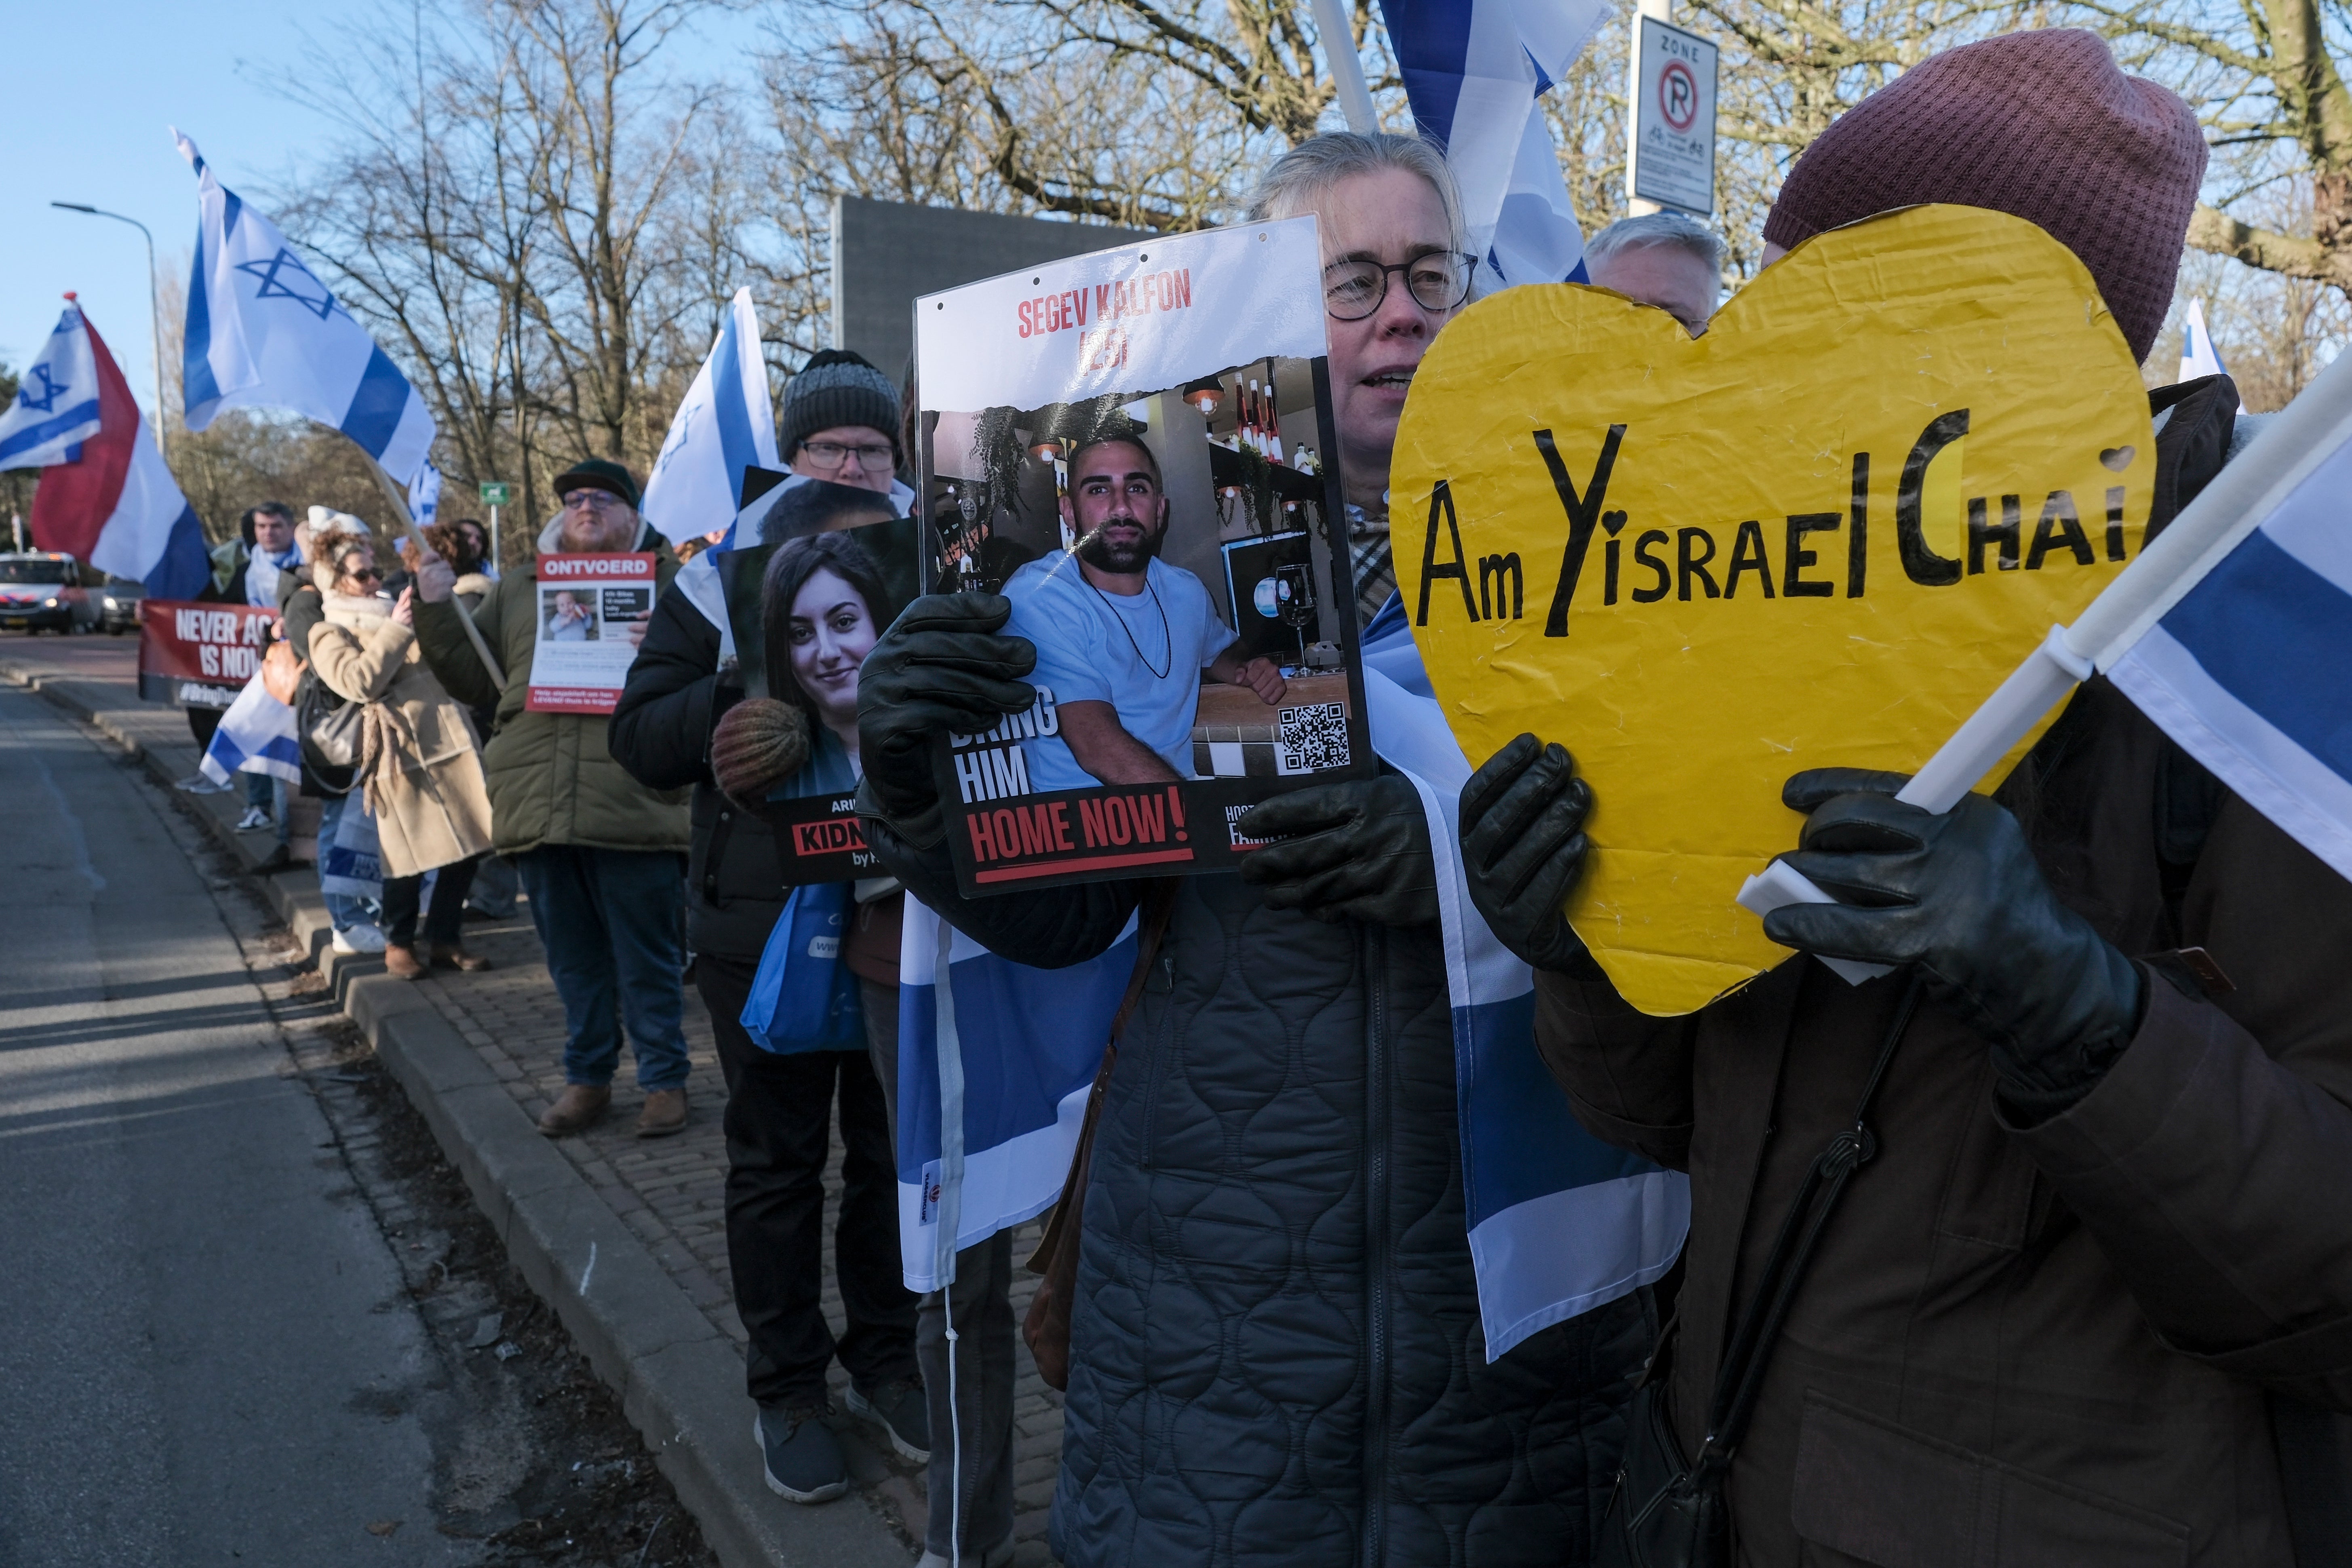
x=609, y=919
x=345, y=910
x=267, y=792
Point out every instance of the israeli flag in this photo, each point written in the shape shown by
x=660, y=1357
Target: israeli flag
x=724, y=426
x=257, y=735
x=2198, y=357
x=1560, y=1223
x=424, y=495
x=264, y=332
x=2251, y=668
x=1474, y=70
x=994, y=1073
x=56, y=409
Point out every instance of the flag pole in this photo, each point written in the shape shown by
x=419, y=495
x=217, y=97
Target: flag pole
x=1347, y=70
x=425, y=552
x=2291, y=444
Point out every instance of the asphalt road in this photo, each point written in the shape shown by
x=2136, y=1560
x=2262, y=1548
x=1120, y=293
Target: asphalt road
x=205, y=1353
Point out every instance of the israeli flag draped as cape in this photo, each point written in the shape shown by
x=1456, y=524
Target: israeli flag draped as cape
x=257, y=735
x=722, y=426
x=1475, y=71
x=56, y=406
x=1560, y=1223
x=264, y=332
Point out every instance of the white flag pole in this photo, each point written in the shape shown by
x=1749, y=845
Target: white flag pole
x=2289, y=446
x=1347, y=70
x=398, y=498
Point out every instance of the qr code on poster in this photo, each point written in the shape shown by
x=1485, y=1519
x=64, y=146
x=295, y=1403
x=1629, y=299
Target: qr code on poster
x=1311, y=738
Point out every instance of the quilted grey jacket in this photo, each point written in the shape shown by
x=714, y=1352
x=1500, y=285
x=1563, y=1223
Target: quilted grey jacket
x=1275, y=1351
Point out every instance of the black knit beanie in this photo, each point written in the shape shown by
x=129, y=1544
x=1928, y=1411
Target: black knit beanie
x=838, y=387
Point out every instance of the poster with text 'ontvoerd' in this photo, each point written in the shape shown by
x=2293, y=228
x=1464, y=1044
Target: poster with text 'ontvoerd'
x=1135, y=447
x=592, y=612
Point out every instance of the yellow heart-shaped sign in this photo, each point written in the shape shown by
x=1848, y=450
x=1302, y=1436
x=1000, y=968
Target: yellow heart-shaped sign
x=1819, y=535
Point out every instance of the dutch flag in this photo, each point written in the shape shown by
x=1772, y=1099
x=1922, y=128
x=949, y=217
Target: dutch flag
x=1474, y=70
x=264, y=332
x=105, y=495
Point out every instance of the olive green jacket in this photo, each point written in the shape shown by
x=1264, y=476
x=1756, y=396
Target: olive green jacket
x=553, y=780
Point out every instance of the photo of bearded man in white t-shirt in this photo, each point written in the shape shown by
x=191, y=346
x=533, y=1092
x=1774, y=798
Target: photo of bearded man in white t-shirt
x=1122, y=637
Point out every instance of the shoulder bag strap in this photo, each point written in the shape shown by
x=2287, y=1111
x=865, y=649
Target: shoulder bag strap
x=1741, y=1378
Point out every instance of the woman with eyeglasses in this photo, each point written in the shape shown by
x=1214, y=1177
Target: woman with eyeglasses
x=1275, y=1351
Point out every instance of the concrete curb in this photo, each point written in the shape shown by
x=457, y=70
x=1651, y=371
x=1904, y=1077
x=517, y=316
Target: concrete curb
x=679, y=1379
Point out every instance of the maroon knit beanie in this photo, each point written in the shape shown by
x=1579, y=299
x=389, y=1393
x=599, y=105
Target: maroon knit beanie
x=2042, y=126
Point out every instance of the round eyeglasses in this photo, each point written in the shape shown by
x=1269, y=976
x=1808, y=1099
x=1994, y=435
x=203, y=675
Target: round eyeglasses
x=1438, y=281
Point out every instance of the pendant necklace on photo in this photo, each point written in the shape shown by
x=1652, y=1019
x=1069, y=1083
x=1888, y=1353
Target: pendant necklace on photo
x=1167, y=636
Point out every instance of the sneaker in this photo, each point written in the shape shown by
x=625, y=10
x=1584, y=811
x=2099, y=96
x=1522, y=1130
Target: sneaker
x=196, y=784
x=902, y=1413
x=361, y=939
x=255, y=819
x=799, y=1453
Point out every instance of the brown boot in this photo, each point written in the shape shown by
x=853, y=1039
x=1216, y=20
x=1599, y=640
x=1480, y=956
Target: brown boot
x=402, y=962
x=449, y=955
x=665, y=1113
x=579, y=1105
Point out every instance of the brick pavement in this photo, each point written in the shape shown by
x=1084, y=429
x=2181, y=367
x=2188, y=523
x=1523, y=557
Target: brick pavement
x=670, y=1192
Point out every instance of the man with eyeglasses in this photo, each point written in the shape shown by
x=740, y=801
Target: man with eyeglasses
x=601, y=856
x=841, y=422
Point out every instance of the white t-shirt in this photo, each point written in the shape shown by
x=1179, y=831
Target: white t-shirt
x=1142, y=653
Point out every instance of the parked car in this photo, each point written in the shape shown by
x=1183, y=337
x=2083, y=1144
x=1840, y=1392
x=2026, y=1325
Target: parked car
x=41, y=590
x=118, y=604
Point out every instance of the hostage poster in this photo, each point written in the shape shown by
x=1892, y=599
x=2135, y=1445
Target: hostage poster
x=1133, y=446
x=592, y=613
x=833, y=566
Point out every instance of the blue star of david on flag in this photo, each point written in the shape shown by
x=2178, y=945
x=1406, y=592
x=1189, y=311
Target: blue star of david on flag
x=50, y=389
x=287, y=264
x=317, y=361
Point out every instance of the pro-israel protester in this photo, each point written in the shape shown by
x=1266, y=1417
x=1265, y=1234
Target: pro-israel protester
x=2089, y=1297
x=1122, y=637
x=1277, y=1353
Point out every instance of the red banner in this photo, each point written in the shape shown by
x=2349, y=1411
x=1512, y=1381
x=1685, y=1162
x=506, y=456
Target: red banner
x=199, y=656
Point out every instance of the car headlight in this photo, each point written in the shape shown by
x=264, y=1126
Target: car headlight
x=49, y=604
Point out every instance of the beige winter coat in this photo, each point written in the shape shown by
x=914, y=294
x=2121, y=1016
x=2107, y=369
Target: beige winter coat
x=422, y=764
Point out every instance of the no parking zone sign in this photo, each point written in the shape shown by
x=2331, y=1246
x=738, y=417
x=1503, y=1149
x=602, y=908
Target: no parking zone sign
x=1673, y=150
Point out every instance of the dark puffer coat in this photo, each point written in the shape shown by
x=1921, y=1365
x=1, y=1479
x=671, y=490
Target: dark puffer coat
x=1275, y=1351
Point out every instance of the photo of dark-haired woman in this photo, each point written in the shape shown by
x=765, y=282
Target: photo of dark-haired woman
x=823, y=606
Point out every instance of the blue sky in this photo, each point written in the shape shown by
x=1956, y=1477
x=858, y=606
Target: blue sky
x=92, y=88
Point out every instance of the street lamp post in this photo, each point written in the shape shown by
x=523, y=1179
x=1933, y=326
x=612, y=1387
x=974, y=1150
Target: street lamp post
x=154, y=319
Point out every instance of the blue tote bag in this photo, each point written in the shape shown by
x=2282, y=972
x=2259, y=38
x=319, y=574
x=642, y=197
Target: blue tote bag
x=804, y=998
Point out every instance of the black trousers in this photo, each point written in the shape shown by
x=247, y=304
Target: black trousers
x=778, y=1112
x=443, y=921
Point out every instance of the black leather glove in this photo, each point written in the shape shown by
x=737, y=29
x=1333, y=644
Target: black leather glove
x=1523, y=847
x=1349, y=851
x=1959, y=895
x=938, y=669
